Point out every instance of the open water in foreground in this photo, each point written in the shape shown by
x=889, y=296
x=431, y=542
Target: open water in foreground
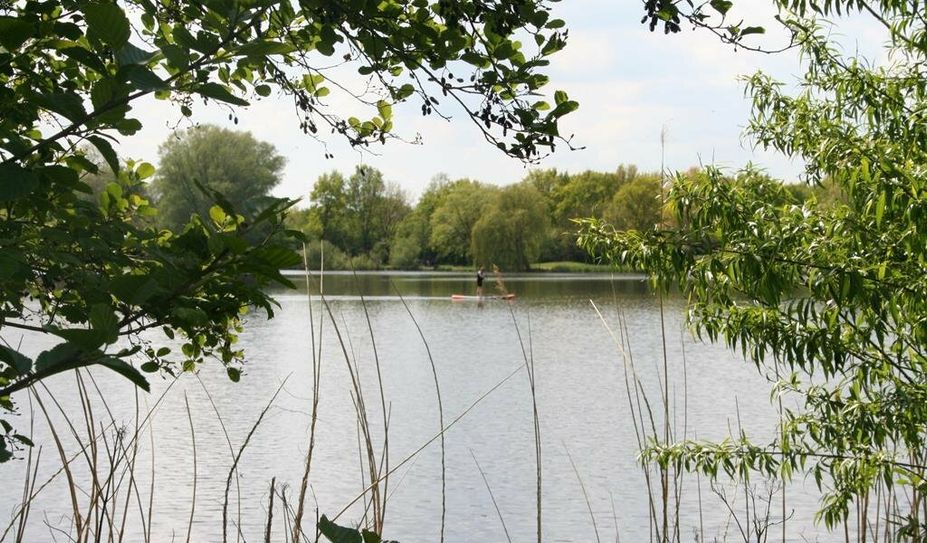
x=581, y=397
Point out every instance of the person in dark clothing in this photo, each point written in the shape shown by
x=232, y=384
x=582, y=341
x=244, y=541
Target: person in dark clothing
x=480, y=275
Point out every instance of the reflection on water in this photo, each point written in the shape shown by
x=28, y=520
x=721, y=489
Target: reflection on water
x=582, y=406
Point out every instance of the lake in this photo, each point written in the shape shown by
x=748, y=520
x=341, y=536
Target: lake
x=585, y=417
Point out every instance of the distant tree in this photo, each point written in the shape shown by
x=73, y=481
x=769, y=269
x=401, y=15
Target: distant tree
x=636, y=205
x=373, y=211
x=360, y=215
x=327, y=214
x=587, y=194
x=509, y=234
x=452, y=222
x=412, y=239
x=405, y=251
x=233, y=163
x=547, y=182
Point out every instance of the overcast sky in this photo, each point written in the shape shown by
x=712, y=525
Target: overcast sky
x=630, y=84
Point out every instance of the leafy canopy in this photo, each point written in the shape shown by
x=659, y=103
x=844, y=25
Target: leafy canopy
x=90, y=272
x=233, y=163
x=830, y=298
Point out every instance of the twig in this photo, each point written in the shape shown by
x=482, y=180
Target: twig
x=491, y=497
x=193, y=441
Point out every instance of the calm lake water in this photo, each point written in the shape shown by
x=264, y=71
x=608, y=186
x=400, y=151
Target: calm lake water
x=581, y=399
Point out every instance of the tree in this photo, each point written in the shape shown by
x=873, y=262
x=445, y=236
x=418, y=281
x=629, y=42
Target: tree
x=70, y=72
x=373, y=210
x=510, y=232
x=410, y=246
x=452, y=222
x=327, y=218
x=586, y=194
x=360, y=215
x=831, y=298
x=636, y=205
x=233, y=163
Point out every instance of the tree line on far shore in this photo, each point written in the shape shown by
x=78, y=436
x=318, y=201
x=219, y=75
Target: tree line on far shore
x=369, y=223
x=366, y=222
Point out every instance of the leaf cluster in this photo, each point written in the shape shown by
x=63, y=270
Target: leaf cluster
x=86, y=265
x=830, y=298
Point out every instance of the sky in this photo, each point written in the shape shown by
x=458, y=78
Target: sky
x=631, y=85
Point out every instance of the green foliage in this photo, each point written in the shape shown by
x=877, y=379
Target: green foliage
x=829, y=296
x=439, y=230
x=342, y=534
x=510, y=232
x=360, y=215
x=327, y=216
x=452, y=222
x=407, y=247
x=373, y=211
x=92, y=271
x=637, y=204
x=588, y=193
x=229, y=162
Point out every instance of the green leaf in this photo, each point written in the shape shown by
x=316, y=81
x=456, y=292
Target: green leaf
x=16, y=181
x=127, y=370
x=264, y=48
x=14, y=32
x=128, y=127
x=278, y=257
x=183, y=38
x=338, y=534
x=106, y=149
x=217, y=214
x=262, y=90
x=60, y=175
x=234, y=374
x=219, y=92
x=178, y=57
x=66, y=104
x=104, y=320
x=16, y=360
x=144, y=79
x=134, y=289
x=64, y=356
x=24, y=440
x=14, y=266
x=327, y=40
x=880, y=208
x=85, y=338
x=385, y=110
x=108, y=23
x=144, y=170
x=752, y=30
x=722, y=6
x=130, y=54
x=150, y=367
x=86, y=57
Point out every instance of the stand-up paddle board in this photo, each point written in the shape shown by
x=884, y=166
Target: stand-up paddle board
x=465, y=298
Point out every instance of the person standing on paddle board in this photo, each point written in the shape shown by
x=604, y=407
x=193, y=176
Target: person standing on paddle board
x=480, y=275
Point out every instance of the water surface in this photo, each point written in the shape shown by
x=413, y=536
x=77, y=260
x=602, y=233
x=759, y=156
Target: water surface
x=581, y=399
